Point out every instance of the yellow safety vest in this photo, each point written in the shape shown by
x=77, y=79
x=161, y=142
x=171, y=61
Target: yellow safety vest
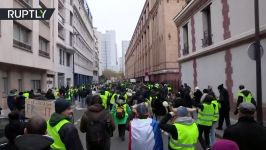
x=104, y=100
x=112, y=101
x=187, y=137
x=216, y=110
x=53, y=132
x=246, y=99
x=206, y=116
x=26, y=95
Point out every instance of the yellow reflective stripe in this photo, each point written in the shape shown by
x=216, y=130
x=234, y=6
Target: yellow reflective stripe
x=179, y=144
x=204, y=114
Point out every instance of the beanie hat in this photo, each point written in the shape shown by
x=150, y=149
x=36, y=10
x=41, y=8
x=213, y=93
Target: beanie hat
x=247, y=108
x=61, y=105
x=221, y=86
x=225, y=145
x=181, y=111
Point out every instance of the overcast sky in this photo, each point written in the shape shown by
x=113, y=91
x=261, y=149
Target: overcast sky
x=118, y=15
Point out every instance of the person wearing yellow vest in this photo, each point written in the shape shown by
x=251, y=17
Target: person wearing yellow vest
x=26, y=94
x=114, y=98
x=215, y=120
x=60, y=128
x=244, y=96
x=104, y=98
x=183, y=132
x=205, y=120
x=121, y=112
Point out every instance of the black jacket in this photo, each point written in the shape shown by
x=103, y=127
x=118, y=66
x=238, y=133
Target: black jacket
x=33, y=142
x=97, y=112
x=197, y=96
x=247, y=134
x=224, y=100
x=68, y=132
x=11, y=102
x=20, y=102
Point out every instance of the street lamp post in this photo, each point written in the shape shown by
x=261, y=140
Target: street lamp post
x=258, y=63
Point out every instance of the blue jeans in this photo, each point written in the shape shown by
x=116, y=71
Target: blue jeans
x=212, y=133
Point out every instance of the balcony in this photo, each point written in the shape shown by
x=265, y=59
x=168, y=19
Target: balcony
x=44, y=54
x=207, y=39
x=21, y=45
x=61, y=4
x=25, y=3
x=61, y=19
x=185, y=49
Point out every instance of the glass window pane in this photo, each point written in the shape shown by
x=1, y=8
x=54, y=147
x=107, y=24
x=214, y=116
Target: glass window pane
x=16, y=32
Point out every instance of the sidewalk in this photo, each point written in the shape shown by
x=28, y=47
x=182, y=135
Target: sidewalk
x=219, y=133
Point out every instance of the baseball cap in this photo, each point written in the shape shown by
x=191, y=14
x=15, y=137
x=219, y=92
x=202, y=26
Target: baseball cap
x=247, y=108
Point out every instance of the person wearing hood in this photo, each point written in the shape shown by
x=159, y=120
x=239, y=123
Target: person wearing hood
x=183, y=132
x=224, y=111
x=144, y=132
x=244, y=96
x=61, y=129
x=206, y=112
x=34, y=137
x=197, y=95
x=98, y=124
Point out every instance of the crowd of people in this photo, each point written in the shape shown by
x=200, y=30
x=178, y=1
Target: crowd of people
x=146, y=111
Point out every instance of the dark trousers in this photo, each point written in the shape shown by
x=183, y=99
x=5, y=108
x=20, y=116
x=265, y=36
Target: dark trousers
x=121, y=130
x=224, y=115
x=104, y=145
x=206, y=130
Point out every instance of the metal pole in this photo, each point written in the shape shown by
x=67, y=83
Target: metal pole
x=258, y=63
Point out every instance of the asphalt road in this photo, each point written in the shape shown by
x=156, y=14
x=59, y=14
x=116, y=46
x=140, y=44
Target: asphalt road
x=116, y=143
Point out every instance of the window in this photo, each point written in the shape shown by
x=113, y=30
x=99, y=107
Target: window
x=185, y=40
x=5, y=84
x=60, y=58
x=20, y=85
x=207, y=32
x=35, y=84
x=0, y=28
x=71, y=39
x=68, y=59
x=68, y=81
x=71, y=19
x=21, y=36
x=43, y=47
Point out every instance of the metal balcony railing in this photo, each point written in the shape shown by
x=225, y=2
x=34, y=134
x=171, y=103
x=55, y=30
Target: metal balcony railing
x=207, y=39
x=43, y=53
x=61, y=19
x=22, y=45
x=185, y=49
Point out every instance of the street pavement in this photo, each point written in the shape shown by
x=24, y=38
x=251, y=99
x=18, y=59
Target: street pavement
x=116, y=143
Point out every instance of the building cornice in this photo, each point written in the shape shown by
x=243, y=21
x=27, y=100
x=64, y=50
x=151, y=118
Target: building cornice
x=83, y=23
x=245, y=37
x=190, y=9
x=164, y=71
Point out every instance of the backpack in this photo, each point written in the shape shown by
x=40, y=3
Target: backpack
x=120, y=112
x=97, y=129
